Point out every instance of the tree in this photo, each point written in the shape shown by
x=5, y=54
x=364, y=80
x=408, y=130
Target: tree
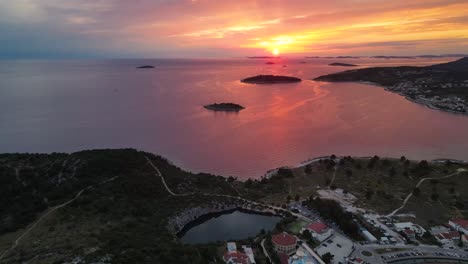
x=349, y=172
x=369, y=194
x=435, y=196
x=333, y=156
x=327, y=257
x=308, y=169
x=402, y=159
x=307, y=235
x=416, y=191
x=392, y=172
x=297, y=197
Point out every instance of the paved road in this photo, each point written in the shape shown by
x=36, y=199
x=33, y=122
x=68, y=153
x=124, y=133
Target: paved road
x=48, y=212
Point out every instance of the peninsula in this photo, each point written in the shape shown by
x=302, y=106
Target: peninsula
x=441, y=86
x=268, y=79
x=228, y=107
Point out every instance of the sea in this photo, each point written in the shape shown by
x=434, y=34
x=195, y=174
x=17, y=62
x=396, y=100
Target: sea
x=71, y=105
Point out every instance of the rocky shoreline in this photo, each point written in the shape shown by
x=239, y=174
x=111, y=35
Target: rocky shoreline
x=191, y=217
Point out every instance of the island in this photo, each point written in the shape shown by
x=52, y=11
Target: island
x=269, y=79
x=228, y=107
x=145, y=67
x=441, y=86
x=342, y=64
x=270, y=63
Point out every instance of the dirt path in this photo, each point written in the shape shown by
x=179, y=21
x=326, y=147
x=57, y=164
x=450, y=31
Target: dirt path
x=159, y=174
x=50, y=211
x=419, y=184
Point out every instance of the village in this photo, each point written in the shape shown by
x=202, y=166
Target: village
x=312, y=239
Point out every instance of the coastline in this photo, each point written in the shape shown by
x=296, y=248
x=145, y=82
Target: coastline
x=414, y=100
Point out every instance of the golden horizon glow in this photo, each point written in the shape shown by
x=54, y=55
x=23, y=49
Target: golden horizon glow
x=276, y=51
x=248, y=27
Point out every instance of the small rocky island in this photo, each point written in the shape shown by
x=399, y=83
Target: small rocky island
x=441, y=86
x=229, y=107
x=342, y=64
x=145, y=67
x=268, y=79
x=270, y=63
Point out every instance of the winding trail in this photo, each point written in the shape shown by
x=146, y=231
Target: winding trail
x=334, y=176
x=159, y=174
x=50, y=211
x=419, y=184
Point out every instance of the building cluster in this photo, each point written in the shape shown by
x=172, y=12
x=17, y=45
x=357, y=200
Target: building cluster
x=235, y=256
x=453, y=234
x=422, y=91
x=291, y=250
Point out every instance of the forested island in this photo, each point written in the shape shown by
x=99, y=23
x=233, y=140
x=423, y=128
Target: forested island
x=441, y=86
x=230, y=107
x=269, y=79
x=145, y=67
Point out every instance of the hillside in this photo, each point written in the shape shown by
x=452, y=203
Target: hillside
x=441, y=86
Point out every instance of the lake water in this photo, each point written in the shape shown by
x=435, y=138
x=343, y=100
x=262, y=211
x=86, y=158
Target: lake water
x=233, y=226
x=66, y=106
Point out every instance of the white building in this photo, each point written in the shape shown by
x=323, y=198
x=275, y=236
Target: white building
x=418, y=230
x=368, y=236
x=319, y=231
x=248, y=251
x=459, y=225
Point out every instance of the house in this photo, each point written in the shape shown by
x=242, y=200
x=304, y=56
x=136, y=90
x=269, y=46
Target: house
x=284, y=243
x=319, y=231
x=249, y=252
x=409, y=233
x=418, y=230
x=435, y=230
x=236, y=258
x=231, y=246
x=459, y=225
x=367, y=235
x=448, y=239
x=233, y=256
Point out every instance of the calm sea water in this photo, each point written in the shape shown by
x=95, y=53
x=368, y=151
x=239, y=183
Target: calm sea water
x=66, y=106
x=233, y=226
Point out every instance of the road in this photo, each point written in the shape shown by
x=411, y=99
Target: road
x=419, y=184
x=48, y=212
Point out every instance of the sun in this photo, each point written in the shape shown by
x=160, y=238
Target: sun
x=276, y=51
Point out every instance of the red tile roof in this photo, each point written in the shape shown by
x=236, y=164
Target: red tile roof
x=359, y=260
x=449, y=235
x=236, y=257
x=317, y=227
x=284, y=239
x=461, y=222
x=408, y=231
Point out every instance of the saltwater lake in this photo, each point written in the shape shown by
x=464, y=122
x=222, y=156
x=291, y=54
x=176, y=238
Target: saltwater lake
x=233, y=226
x=66, y=106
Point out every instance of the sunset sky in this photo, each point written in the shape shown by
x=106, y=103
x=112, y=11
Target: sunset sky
x=229, y=28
